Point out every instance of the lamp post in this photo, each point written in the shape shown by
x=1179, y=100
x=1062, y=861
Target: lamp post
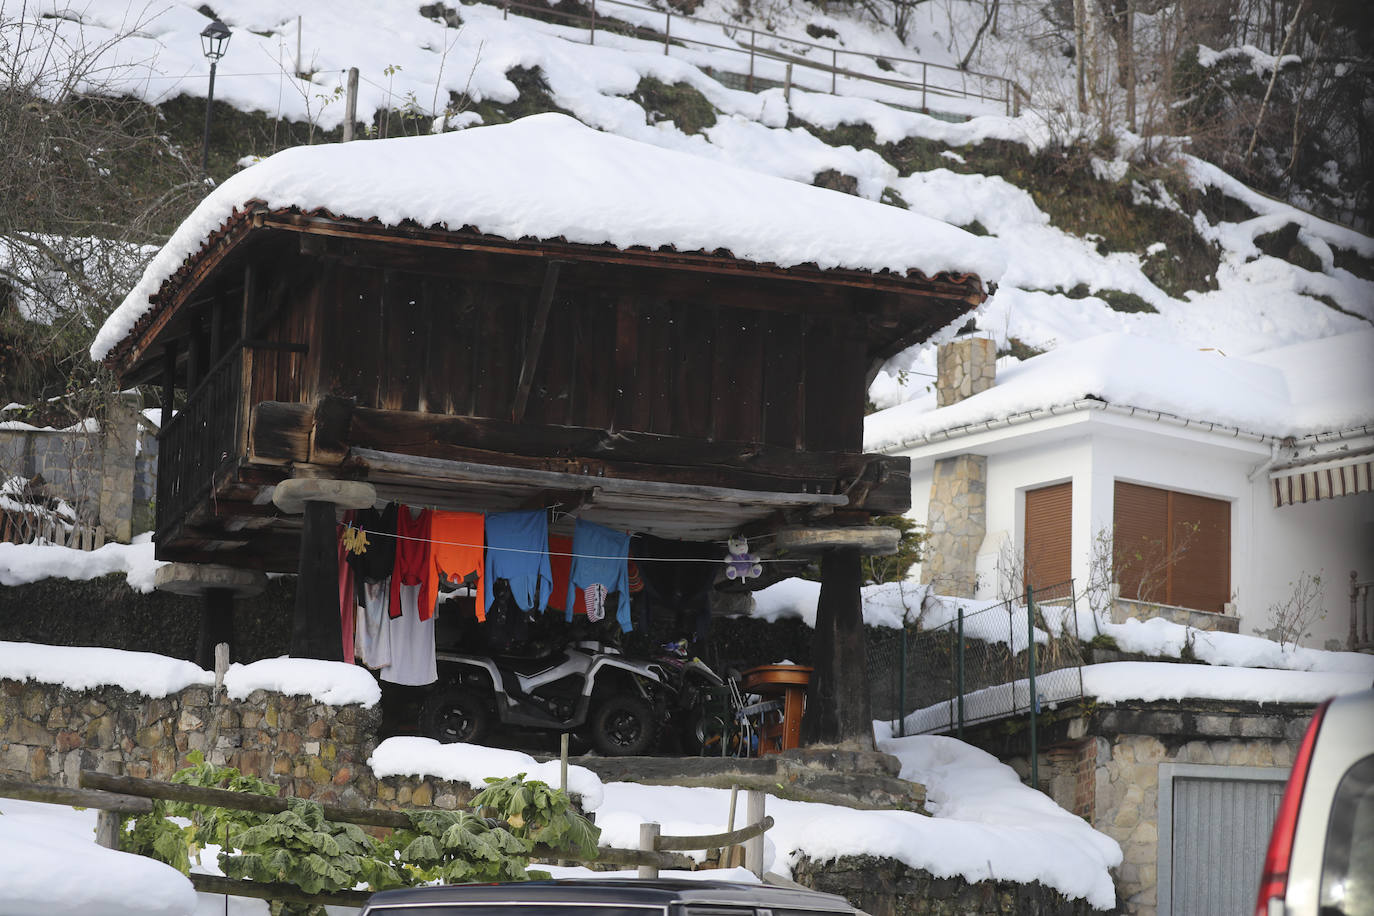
x=214, y=41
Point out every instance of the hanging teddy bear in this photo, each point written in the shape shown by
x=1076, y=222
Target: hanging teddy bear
x=740, y=563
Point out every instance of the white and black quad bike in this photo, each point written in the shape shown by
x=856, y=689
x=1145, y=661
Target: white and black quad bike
x=587, y=688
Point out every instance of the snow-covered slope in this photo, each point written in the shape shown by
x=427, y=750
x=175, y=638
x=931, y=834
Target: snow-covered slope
x=1048, y=295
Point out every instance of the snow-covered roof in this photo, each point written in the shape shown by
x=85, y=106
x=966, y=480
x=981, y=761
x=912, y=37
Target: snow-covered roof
x=1300, y=390
x=550, y=177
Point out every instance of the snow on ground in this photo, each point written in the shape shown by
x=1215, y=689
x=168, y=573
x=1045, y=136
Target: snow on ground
x=21, y=564
x=470, y=764
x=1164, y=638
x=49, y=863
x=81, y=668
x=1115, y=682
x=628, y=194
x=332, y=683
x=1008, y=832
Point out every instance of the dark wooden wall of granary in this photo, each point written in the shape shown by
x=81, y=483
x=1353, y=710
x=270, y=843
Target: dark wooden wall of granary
x=624, y=348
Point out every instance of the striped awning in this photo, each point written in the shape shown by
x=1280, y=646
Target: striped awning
x=1326, y=480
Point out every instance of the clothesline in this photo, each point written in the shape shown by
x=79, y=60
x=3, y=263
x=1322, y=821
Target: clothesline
x=553, y=553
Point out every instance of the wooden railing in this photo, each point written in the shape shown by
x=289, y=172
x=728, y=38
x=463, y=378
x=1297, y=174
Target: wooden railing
x=23, y=526
x=1361, y=615
x=201, y=438
x=918, y=92
x=114, y=795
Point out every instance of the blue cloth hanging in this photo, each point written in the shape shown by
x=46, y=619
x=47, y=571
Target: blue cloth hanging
x=600, y=557
x=518, y=551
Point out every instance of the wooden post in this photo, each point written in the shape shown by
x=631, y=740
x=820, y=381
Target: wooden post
x=107, y=829
x=837, y=708
x=648, y=836
x=350, y=104
x=315, y=628
x=563, y=763
x=753, y=847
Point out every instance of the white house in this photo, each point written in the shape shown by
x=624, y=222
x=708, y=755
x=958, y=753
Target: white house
x=1212, y=485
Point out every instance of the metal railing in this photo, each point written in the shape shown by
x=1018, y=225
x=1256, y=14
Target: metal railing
x=198, y=440
x=786, y=54
x=1361, y=615
x=977, y=666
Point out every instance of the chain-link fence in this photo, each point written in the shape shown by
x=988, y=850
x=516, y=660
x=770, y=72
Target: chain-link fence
x=970, y=661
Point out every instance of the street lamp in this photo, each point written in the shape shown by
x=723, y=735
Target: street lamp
x=214, y=41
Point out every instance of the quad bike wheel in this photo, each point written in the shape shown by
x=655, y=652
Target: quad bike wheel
x=623, y=726
x=455, y=714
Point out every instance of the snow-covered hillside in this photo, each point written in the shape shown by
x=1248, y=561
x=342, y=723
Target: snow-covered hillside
x=1059, y=286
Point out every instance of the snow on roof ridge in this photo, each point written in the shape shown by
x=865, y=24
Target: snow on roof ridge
x=1313, y=390
x=549, y=176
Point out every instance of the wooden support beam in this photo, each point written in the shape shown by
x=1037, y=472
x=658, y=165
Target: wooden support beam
x=837, y=708
x=315, y=628
x=535, y=343
x=373, y=461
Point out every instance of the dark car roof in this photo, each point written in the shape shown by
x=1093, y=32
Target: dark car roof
x=626, y=891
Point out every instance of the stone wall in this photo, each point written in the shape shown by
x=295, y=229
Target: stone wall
x=956, y=524
x=1105, y=767
x=49, y=733
x=1124, y=609
x=885, y=887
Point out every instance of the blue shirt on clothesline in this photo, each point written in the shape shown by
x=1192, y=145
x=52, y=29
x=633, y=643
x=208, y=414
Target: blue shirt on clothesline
x=601, y=557
x=518, y=551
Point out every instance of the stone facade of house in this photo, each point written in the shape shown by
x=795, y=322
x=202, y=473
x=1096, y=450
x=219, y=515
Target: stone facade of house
x=1103, y=765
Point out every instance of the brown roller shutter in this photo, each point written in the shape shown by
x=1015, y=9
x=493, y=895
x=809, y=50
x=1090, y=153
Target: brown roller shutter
x=1140, y=541
x=1048, y=537
x=1201, y=576
x=1172, y=548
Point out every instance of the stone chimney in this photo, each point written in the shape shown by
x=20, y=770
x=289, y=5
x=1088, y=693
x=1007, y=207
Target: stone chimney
x=965, y=366
x=957, y=521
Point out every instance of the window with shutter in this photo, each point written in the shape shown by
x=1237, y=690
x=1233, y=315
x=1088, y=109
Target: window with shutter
x=1048, y=536
x=1172, y=548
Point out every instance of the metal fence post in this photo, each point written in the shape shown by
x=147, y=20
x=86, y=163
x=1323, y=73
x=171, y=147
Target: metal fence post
x=901, y=688
x=834, y=68
x=925, y=81
x=667, y=31
x=593, y=39
x=1030, y=661
x=753, y=43
x=959, y=676
x=648, y=836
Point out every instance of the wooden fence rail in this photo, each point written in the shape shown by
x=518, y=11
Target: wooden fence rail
x=115, y=795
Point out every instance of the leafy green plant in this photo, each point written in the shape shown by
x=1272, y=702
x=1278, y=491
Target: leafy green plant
x=155, y=836
x=456, y=847
x=299, y=846
x=539, y=813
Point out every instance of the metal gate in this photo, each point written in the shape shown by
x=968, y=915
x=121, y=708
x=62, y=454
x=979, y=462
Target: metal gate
x=1214, y=824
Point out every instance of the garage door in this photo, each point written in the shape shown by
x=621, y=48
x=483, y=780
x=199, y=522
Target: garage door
x=1214, y=831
